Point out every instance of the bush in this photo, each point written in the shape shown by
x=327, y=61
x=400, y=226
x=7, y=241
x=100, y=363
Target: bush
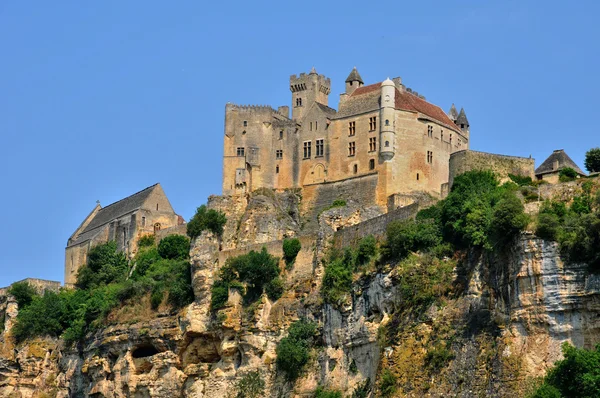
x=274, y=289
x=387, y=384
x=404, y=237
x=337, y=281
x=251, y=385
x=42, y=317
x=521, y=180
x=548, y=225
x=567, y=174
x=174, y=247
x=367, y=248
x=23, y=293
x=293, y=351
x=144, y=259
x=577, y=375
x=219, y=295
x=508, y=218
x=291, y=248
x=147, y=241
x=592, y=160
x=206, y=219
x=362, y=390
x=321, y=392
x=437, y=357
x=105, y=265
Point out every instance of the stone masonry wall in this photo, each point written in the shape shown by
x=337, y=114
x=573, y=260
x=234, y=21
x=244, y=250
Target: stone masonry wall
x=361, y=189
x=375, y=226
x=502, y=165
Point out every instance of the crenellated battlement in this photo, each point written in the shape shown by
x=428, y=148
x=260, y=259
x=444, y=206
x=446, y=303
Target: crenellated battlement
x=230, y=107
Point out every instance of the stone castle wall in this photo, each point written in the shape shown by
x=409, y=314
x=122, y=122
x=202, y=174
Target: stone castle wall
x=502, y=165
x=375, y=226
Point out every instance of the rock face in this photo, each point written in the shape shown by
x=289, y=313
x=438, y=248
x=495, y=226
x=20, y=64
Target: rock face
x=505, y=323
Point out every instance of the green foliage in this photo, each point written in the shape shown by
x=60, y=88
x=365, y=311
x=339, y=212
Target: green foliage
x=592, y=160
x=105, y=265
x=174, y=247
x=367, y=249
x=422, y=280
x=479, y=212
x=274, y=288
x=23, y=293
x=438, y=356
x=219, y=295
x=251, y=385
x=362, y=389
x=102, y=288
x=206, y=219
x=147, y=241
x=404, y=237
x=291, y=248
x=548, y=226
x=321, y=392
x=293, y=351
x=337, y=280
x=521, y=180
x=338, y=203
x=387, y=383
x=577, y=375
x=567, y=174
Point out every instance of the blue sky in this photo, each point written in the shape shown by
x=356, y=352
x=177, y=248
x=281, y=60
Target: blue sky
x=101, y=99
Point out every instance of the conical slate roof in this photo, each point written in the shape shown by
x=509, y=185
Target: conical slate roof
x=563, y=160
x=354, y=76
x=453, y=113
x=313, y=71
x=462, y=118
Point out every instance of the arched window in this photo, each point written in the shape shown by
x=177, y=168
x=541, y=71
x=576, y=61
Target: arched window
x=387, y=122
x=387, y=144
x=355, y=168
x=156, y=227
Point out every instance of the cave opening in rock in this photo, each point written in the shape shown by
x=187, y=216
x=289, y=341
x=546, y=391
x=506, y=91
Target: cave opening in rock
x=144, y=351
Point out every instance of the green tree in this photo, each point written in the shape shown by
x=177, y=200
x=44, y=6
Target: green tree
x=592, y=160
x=174, y=247
x=293, y=351
x=251, y=385
x=105, y=265
x=291, y=248
x=23, y=293
x=567, y=174
x=206, y=219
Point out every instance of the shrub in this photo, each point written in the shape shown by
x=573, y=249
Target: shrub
x=219, y=295
x=321, y=392
x=577, y=375
x=367, y=248
x=251, y=385
x=508, y=218
x=337, y=281
x=293, y=351
x=438, y=356
x=274, y=289
x=387, y=384
x=521, y=180
x=23, y=293
x=206, y=219
x=567, y=174
x=403, y=237
x=338, y=203
x=362, y=390
x=146, y=241
x=105, y=265
x=592, y=160
x=174, y=247
x=144, y=259
x=548, y=225
x=42, y=317
x=291, y=248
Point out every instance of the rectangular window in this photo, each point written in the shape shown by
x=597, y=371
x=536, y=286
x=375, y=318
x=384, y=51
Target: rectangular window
x=351, y=128
x=352, y=148
x=371, y=164
x=320, y=146
x=372, y=144
x=450, y=138
x=307, y=148
x=429, y=157
x=279, y=154
x=240, y=151
x=316, y=128
x=310, y=126
x=373, y=123
x=245, y=123
x=277, y=169
x=280, y=134
x=442, y=135
x=143, y=221
x=430, y=131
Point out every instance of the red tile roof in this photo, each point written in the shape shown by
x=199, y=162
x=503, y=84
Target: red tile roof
x=409, y=102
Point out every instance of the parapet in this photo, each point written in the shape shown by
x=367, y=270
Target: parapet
x=248, y=108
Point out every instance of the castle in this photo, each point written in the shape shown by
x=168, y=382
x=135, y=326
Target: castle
x=384, y=133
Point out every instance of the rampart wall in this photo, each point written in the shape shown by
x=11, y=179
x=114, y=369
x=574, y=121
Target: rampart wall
x=375, y=226
x=502, y=165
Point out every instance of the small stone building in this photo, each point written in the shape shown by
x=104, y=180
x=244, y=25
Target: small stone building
x=144, y=212
x=549, y=170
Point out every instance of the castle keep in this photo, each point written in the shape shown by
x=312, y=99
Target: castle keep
x=383, y=134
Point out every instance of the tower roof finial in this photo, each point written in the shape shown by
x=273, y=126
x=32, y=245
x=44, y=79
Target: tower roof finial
x=313, y=71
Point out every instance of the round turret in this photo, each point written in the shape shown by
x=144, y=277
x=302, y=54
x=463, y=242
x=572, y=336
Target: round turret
x=387, y=134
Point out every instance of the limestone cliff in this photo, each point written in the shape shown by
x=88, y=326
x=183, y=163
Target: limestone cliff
x=503, y=324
